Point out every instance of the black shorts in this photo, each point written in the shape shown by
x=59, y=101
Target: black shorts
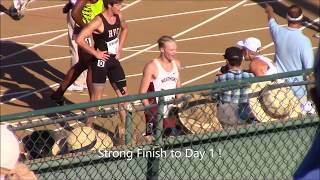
x=169, y=124
x=110, y=68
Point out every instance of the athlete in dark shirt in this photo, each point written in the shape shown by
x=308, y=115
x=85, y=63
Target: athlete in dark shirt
x=109, y=32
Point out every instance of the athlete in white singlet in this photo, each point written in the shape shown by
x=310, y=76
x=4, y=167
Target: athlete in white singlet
x=160, y=74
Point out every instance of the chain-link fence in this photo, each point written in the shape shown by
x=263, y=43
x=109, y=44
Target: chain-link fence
x=203, y=135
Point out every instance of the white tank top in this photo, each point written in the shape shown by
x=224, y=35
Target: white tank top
x=164, y=81
x=271, y=67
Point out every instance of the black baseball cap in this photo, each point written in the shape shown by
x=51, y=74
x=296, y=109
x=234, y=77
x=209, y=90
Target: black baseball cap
x=233, y=53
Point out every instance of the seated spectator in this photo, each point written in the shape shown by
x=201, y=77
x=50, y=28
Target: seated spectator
x=82, y=139
x=233, y=106
x=10, y=168
x=39, y=143
x=259, y=65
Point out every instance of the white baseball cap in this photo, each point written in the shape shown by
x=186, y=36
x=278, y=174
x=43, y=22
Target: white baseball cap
x=251, y=43
x=9, y=146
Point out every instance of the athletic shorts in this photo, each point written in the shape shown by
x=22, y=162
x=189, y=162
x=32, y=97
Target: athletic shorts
x=110, y=68
x=151, y=123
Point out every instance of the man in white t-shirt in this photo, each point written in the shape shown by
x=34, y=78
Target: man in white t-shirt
x=159, y=74
x=259, y=65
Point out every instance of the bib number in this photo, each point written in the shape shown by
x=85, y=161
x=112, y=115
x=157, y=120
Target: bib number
x=88, y=41
x=113, y=46
x=100, y=63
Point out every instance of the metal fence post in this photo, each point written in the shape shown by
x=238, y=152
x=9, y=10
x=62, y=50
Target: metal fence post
x=128, y=126
x=153, y=162
x=159, y=128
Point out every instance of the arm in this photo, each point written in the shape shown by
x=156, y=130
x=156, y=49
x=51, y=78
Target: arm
x=274, y=27
x=258, y=68
x=269, y=11
x=148, y=76
x=76, y=12
x=178, y=80
x=94, y=25
x=307, y=58
x=307, y=55
x=123, y=35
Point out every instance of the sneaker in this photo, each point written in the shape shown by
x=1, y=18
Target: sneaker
x=14, y=13
x=57, y=99
x=75, y=88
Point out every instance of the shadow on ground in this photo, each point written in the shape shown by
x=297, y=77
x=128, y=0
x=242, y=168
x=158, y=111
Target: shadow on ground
x=20, y=79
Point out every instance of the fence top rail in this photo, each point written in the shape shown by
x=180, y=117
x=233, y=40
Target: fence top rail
x=203, y=87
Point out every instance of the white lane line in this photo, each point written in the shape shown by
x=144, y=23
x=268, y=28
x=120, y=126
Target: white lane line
x=133, y=47
x=181, y=52
x=132, y=20
x=144, y=45
x=204, y=64
x=188, y=30
x=210, y=19
x=178, y=40
x=176, y=14
x=28, y=94
x=257, y=3
x=34, y=34
x=222, y=34
x=32, y=47
x=131, y=4
x=56, y=84
x=34, y=61
x=60, y=30
x=44, y=45
x=52, y=39
x=199, y=77
x=302, y=28
x=128, y=76
x=10, y=94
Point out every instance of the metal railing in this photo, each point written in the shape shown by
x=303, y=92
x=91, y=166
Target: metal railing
x=268, y=143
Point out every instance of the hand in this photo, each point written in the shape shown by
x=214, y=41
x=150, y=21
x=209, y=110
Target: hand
x=67, y=7
x=118, y=55
x=102, y=55
x=268, y=8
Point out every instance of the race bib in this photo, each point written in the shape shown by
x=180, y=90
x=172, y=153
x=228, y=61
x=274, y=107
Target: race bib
x=169, y=97
x=167, y=107
x=100, y=63
x=88, y=41
x=113, y=46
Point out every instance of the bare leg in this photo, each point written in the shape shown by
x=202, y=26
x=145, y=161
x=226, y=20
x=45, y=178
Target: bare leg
x=73, y=74
x=122, y=112
x=96, y=95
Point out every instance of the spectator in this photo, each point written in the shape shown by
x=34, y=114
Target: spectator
x=259, y=65
x=82, y=139
x=10, y=168
x=293, y=48
x=162, y=73
x=233, y=106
